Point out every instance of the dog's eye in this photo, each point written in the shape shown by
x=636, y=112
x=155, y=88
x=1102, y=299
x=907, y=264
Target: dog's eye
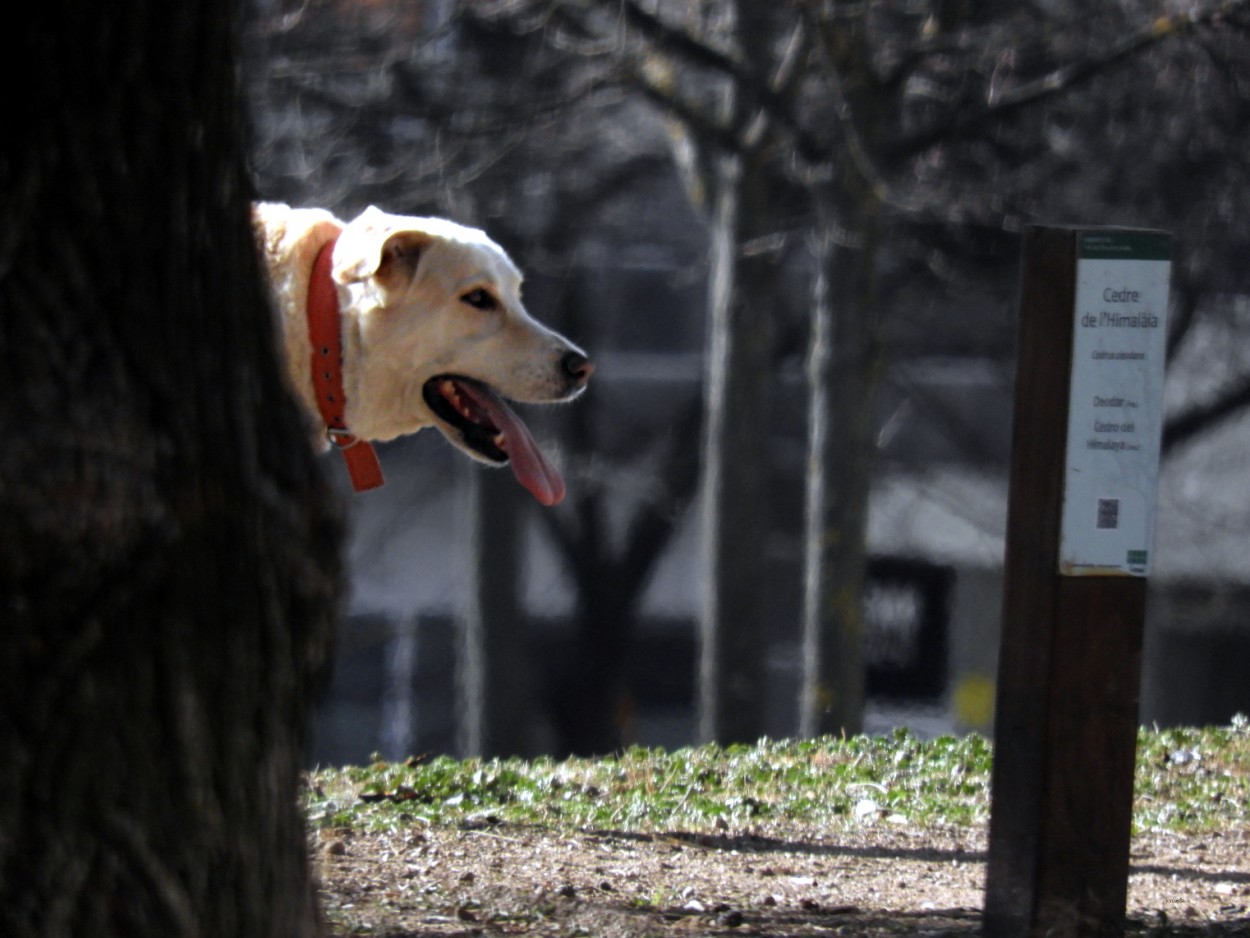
x=480, y=299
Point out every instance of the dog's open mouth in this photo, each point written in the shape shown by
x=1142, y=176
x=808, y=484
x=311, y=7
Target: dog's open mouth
x=488, y=428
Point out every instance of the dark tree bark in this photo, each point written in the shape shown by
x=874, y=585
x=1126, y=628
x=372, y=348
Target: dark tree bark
x=168, y=553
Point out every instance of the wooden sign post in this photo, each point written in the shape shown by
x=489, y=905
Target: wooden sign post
x=1080, y=524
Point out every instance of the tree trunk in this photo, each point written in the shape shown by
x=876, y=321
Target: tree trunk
x=168, y=556
x=844, y=372
x=590, y=696
x=737, y=457
x=494, y=682
x=590, y=701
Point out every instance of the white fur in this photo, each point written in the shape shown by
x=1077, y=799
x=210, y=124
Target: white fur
x=402, y=326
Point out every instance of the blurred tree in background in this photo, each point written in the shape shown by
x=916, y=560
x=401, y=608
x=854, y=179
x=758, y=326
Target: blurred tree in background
x=875, y=129
x=857, y=174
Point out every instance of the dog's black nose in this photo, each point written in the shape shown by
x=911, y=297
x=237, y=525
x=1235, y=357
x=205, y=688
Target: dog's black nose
x=578, y=367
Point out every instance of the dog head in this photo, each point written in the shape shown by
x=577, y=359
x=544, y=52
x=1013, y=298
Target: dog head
x=435, y=334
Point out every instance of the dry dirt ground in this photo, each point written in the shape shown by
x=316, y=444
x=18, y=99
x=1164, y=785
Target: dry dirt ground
x=873, y=880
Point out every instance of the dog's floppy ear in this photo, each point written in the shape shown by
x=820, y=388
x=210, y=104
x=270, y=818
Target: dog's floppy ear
x=376, y=246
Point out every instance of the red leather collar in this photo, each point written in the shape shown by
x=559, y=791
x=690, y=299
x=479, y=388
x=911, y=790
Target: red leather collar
x=325, y=331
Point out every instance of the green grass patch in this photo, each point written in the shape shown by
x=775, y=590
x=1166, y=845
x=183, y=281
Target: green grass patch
x=1193, y=780
x=1187, y=780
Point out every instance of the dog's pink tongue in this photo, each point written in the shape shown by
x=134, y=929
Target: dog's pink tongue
x=528, y=463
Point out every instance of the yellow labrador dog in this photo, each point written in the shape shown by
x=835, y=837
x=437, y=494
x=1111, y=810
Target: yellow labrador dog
x=430, y=331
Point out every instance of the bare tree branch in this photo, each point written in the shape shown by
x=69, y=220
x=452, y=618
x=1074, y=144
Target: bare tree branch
x=654, y=524
x=1183, y=316
x=1065, y=78
x=758, y=90
x=1203, y=417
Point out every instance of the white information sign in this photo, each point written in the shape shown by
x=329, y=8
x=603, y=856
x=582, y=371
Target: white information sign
x=1115, y=411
